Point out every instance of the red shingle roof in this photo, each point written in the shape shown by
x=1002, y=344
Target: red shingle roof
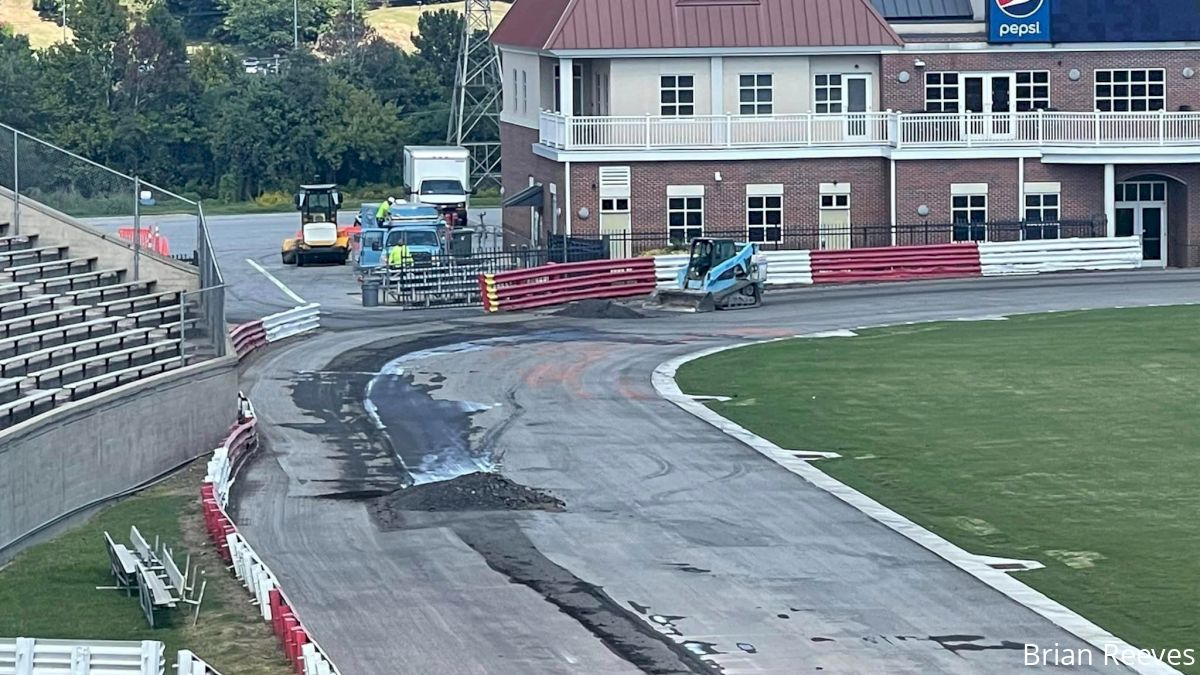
x=682, y=24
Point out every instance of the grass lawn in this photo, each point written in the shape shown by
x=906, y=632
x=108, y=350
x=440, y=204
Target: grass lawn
x=398, y=24
x=24, y=21
x=50, y=591
x=1067, y=438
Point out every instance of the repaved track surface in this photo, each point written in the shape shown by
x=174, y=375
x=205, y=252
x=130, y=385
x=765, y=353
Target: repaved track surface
x=679, y=550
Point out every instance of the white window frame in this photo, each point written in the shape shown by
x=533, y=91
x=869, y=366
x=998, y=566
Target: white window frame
x=826, y=83
x=761, y=84
x=764, y=200
x=1039, y=201
x=676, y=108
x=968, y=200
x=949, y=96
x=525, y=91
x=616, y=187
x=1114, y=98
x=614, y=205
x=1031, y=95
x=686, y=200
x=576, y=88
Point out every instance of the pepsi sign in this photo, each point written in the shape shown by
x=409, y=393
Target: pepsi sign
x=1018, y=20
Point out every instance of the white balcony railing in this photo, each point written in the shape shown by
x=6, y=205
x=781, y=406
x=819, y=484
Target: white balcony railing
x=881, y=129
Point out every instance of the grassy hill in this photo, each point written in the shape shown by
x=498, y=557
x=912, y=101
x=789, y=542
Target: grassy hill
x=396, y=24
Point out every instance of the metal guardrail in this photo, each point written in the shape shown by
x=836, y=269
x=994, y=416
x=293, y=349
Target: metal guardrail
x=30, y=656
x=292, y=322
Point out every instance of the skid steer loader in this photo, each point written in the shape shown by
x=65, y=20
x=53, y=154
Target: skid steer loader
x=720, y=274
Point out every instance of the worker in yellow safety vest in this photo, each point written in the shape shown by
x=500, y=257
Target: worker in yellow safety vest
x=399, y=255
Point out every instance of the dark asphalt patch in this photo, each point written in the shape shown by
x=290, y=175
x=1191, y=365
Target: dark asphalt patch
x=472, y=492
x=599, y=309
x=507, y=550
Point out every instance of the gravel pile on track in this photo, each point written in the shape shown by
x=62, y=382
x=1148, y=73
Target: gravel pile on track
x=472, y=492
x=599, y=309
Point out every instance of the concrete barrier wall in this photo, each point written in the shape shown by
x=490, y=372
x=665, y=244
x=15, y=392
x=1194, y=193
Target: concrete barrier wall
x=55, y=228
x=84, y=451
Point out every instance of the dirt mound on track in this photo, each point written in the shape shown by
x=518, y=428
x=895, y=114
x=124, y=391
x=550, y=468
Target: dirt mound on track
x=599, y=309
x=472, y=492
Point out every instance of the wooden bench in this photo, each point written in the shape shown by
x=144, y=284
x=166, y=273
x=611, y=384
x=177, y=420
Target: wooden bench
x=87, y=279
x=27, y=342
x=122, y=563
x=32, y=404
x=18, y=242
x=73, y=351
x=123, y=359
x=139, y=303
x=124, y=289
x=14, y=308
x=95, y=385
x=30, y=256
x=53, y=268
x=32, y=323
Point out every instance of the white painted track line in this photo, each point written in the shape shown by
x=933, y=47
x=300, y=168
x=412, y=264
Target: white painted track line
x=290, y=293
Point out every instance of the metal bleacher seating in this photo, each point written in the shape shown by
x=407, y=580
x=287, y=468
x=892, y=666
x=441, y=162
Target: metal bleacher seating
x=69, y=330
x=154, y=573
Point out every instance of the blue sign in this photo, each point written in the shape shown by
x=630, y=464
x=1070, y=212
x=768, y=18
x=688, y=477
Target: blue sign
x=1018, y=20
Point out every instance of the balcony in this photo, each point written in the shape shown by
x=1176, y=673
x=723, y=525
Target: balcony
x=889, y=130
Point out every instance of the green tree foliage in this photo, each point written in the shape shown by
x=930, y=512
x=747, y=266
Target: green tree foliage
x=200, y=18
x=269, y=24
x=437, y=42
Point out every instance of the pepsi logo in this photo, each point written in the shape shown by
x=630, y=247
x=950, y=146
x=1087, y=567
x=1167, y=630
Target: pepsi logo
x=1019, y=9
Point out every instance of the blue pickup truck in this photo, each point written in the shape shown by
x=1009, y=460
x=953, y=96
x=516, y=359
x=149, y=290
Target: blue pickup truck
x=417, y=225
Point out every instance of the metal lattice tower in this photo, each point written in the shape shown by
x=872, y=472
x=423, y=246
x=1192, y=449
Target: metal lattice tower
x=475, y=115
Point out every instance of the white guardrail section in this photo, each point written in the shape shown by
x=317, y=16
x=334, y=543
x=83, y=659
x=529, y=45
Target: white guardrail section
x=292, y=322
x=30, y=656
x=1059, y=255
x=784, y=268
x=250, y=569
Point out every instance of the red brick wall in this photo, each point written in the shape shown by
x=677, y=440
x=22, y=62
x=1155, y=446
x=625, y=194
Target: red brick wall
x=518, y=163
x=1082, y=195
x=725, y=201
x=1065, y=95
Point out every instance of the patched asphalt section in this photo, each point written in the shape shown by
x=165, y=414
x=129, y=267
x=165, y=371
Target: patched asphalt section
x=506, y=549
x=472, y=492
x=599, y=309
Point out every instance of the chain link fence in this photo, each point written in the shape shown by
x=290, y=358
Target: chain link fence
x=150, y=217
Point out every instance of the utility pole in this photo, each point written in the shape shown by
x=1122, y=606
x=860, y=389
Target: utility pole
x=295, y=24
x=64, y=19
x=475, y=110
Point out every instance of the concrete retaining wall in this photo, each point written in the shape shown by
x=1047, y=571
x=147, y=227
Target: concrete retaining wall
x=55, y=228
x=77, y=453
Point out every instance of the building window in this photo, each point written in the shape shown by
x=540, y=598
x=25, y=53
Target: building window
x=1131, y=90
x=685, y=213
x=576, y=89
x=968, y=212
x=524, y=91
x=764, y=212
x=614, y=205
x=941, y=92
x=1041, y=215
x=828, y=93
x=677, y=94
x=1033, y=90
x=755, y=94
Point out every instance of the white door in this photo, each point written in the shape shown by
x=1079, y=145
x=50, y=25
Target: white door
x=1142, y=212
x=835, y=222
x=988, y=106
x=858, y=100
x=615, y=230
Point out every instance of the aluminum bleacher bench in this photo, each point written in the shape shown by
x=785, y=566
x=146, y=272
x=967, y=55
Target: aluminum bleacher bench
x=117, y=361
x=176, y=328
x=139, y=303
x=20, y=307
x=53, y=268
x=87, y=279
x=34, y=403
x=30, y=256
x=32, y=323
x=122, y=563
x=124, y=289
x=72, y=351
x=28, y=342
x=94, y=385
x=153, y=594
x=12, y=291
x=18, y=242
x=156, y=316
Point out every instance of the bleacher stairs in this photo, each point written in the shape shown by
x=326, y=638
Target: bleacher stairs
x=70, y=329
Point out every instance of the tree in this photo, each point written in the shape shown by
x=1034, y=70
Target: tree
x=19, y=72
x=200, y=17
x=213, y=66
x=438, y=42
x=268, y=24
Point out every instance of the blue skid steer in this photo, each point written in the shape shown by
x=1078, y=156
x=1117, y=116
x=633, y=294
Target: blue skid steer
x=720, y=274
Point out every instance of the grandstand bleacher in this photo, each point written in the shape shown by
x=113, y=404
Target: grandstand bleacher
x=69, y=329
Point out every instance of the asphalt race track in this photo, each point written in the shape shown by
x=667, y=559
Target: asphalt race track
x=679, y=549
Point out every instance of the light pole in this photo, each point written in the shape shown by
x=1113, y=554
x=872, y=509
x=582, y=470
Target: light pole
x=295, y=24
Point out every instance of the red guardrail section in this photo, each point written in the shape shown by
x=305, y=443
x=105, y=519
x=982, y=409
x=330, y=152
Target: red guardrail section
x=150, y=240
x=247, y=337
x=943, y=261
x=556, y=284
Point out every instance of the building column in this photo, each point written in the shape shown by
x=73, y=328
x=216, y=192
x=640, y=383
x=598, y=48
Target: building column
x=892, y=196
x=716, y=88
x=1110, y=200
x=1021, y=189
x=567, y=188
x=566, y=86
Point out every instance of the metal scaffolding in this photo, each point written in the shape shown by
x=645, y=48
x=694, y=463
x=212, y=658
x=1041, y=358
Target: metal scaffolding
x=475, y=115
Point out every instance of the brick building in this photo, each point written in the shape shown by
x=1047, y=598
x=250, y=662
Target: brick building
x=854, y=122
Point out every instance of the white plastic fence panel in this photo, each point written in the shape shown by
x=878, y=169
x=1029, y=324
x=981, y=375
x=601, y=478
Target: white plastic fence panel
x=784, y=268
x=29, y=656
x=292, y=322
x=187, y=663
x=1059, y=255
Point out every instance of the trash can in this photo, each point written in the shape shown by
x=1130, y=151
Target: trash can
x=370, y=292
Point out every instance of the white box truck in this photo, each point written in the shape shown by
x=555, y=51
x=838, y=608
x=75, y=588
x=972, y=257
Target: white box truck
x=439, y=176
